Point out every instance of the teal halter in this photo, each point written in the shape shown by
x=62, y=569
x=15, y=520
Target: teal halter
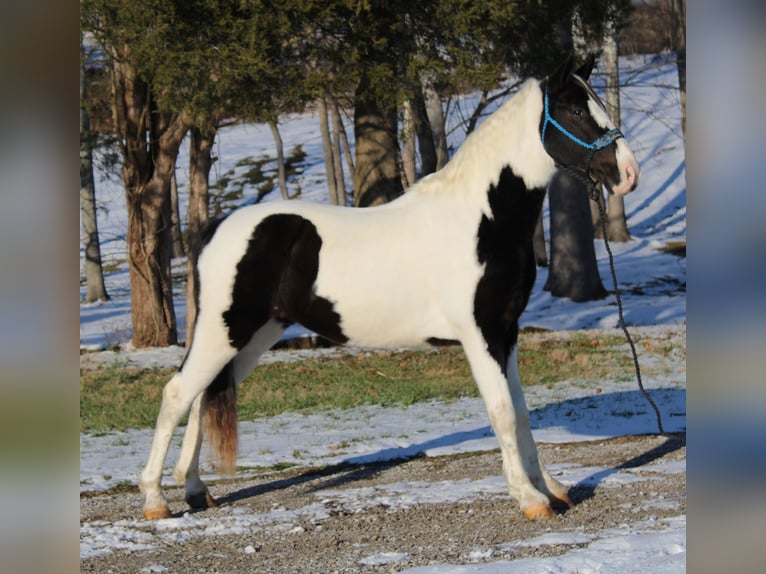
x=600, y=143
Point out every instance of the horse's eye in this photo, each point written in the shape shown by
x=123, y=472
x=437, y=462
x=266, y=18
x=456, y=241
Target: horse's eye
x=578, y=112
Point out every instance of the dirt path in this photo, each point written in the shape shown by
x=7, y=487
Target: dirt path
x=382, y=518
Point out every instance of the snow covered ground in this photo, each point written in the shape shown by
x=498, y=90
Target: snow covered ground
x=653, y=283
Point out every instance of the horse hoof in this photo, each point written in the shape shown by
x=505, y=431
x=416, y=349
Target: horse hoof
x=157, y=513
x=561, y=500
x=201, y=501
x=539, y=511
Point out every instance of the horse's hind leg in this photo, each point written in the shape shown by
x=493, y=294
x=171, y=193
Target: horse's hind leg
x=207, y=357
x=187, y=468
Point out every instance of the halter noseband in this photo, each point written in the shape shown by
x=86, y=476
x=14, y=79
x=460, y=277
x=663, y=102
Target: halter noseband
x=600, y=143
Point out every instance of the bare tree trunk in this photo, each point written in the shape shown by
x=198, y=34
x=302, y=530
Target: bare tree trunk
x=678, y=10
x=94, y=274
x=341, y=130
x=200, y=162
x=428, y=156
x=408, y=145
x=435, y=114
x=338, y=133
x=150, y=148
x=177, y=244
x=573, y=271
x=281, y=173
x=616, y=224
x=376, y=177
x=329, y=159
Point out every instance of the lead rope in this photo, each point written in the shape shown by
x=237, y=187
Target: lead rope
x=602, y=217
x=595, y=195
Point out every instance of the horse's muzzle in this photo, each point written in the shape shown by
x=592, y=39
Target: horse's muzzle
x=629, y=174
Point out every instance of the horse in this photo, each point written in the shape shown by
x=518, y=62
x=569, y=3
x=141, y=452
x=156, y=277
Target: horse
x=450, y=260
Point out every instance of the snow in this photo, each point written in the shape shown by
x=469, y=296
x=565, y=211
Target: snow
x=650, y=281
x=623, y=551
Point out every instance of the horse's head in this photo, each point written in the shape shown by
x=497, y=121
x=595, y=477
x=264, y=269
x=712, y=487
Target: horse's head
x=577, y=133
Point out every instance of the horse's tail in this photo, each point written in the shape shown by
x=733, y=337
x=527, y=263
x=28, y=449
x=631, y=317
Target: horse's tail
x=221, y=419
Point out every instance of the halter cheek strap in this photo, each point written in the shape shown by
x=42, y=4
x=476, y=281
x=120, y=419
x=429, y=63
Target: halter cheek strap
x=597, y=144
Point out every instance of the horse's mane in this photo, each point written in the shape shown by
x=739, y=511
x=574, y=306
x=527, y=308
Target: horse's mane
x=510, y=136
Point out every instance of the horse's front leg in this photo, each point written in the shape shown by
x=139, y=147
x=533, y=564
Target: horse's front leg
x=527, y=481
x=557, y=492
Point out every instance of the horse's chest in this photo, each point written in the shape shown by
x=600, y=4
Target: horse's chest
x=504, y=248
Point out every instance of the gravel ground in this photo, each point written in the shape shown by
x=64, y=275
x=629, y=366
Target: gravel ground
x=381, y=538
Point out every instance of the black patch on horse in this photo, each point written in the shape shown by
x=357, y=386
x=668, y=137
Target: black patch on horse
x=275, y=280
x=505, y=247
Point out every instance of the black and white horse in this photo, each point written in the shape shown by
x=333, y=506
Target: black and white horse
x=449, y=260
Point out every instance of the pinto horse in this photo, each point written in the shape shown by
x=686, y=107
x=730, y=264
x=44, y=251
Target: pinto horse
x=449, y=260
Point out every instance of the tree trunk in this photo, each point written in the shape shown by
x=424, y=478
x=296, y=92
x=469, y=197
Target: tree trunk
x=281, y=172
x=376, y=177
x=573, y=271
x=329, y=159
x=150, y=148
x=338, y=134
x=435, y=114
x=177, y=244
x=424, y=132
x=200, y=162
x=678, y=8
x=343, y=138
x=94, y=275
x=616, y=224
x=408, y=145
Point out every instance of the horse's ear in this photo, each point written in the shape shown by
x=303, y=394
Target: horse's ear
x=585, y=70
x=559, y=77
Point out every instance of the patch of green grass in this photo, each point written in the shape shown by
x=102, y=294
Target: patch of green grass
x=118, y=398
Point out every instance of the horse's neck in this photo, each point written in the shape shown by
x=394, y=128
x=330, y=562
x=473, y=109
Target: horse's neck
x=508, y=138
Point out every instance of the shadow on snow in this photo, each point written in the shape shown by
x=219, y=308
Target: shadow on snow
x=601, y=416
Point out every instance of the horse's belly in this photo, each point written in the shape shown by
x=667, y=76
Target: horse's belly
x=404, y=307
x=392, y=325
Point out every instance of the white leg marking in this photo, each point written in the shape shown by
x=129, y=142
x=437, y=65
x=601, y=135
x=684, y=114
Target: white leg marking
x=534, y=468
x=509, y=417
x=187, y=468
x=209, y=354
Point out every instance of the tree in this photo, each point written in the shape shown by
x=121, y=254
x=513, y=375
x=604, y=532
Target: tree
x=678, y=12
x=335, y=147
x=177, y=249
x=376, y=176
x=151, y=138
x=200, y=162
x=340, y=148
x=154, y=51
x=573, y=271
x=94, y=275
